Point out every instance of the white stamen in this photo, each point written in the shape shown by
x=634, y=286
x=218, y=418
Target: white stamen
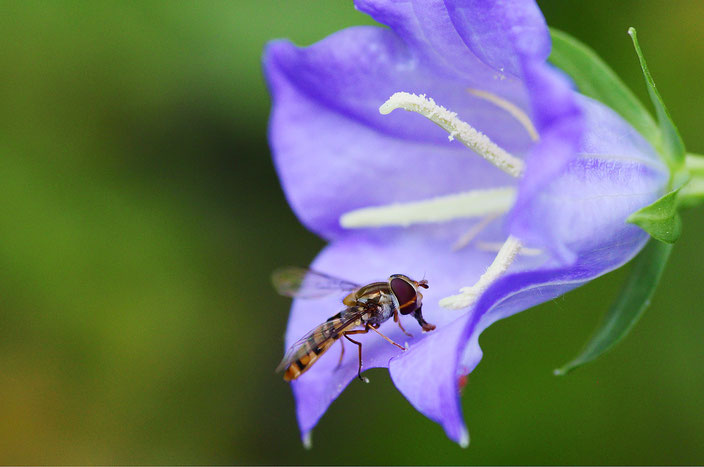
x=469, y=295
x=469, y=204
x=462, y=131
x=475, y=230
x=515, y=111
x=496, y=247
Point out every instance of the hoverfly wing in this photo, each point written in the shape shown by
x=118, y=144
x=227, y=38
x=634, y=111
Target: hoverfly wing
x=305, y=283
x=306, y=350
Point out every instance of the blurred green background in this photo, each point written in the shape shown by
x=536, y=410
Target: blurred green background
x=140, y=217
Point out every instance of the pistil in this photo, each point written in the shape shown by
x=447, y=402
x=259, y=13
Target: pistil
x=458, y=129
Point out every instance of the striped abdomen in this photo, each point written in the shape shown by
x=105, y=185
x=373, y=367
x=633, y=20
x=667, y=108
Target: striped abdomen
x=309, y=348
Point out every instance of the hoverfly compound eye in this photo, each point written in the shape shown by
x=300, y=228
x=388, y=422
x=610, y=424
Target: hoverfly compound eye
x=406, y=294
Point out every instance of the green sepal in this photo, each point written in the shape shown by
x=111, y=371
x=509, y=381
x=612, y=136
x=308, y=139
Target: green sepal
x=672, y=145
x=594, y=78
x=633, y=300
x=660, y=219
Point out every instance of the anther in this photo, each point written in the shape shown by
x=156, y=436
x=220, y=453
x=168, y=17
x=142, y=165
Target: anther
x=458, y=129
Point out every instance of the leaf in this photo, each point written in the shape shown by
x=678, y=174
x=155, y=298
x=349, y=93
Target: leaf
x=660, y=219
x=673, y=146
x=629, y=307
x=594, y=78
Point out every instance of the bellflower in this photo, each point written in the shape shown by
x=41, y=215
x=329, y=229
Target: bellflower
x=522, y=198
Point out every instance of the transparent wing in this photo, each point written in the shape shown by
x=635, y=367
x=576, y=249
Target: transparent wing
x=305, y=283
x=321, y=337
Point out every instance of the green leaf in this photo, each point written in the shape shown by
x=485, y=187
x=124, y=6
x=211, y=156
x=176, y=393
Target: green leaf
x=673, y=146
x=595, y=79
x=629, y=307
x=660, y=219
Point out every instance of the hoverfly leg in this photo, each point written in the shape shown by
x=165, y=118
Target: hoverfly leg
x=359, y=345
x=398, y=321
x=418, y=315
x=342, y=353
x=387, y=339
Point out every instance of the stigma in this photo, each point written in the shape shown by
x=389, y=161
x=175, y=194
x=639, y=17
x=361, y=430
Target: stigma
x=458, y=129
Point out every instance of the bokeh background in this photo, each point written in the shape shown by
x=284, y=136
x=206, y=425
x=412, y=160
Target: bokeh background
x=140, y=218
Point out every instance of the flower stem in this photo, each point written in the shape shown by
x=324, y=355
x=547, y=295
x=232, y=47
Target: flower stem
x=692, y=193
x=695, y=164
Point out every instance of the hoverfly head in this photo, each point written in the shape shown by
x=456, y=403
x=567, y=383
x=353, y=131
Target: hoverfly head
x=406, y=292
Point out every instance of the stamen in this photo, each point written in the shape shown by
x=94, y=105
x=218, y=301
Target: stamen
x=469, y=295
x=515, y=111
x=469, y=204
x=475, y=230
x=462, y=131
x=496, y=247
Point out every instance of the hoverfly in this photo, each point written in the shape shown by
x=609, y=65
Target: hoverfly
x=367, y=306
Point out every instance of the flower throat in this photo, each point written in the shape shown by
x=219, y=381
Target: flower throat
x=487, y=204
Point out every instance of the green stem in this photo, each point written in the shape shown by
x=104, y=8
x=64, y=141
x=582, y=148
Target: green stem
x=692, y=193
x=695, y=164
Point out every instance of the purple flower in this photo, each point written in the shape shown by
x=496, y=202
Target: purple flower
x=542, y=211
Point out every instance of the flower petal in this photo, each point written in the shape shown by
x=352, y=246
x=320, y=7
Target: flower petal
x=614, y=173
x=521, y=37
x=328, y=137
x=502, y=33
x=471, y=37
x=365, y=258
x=428, y=374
